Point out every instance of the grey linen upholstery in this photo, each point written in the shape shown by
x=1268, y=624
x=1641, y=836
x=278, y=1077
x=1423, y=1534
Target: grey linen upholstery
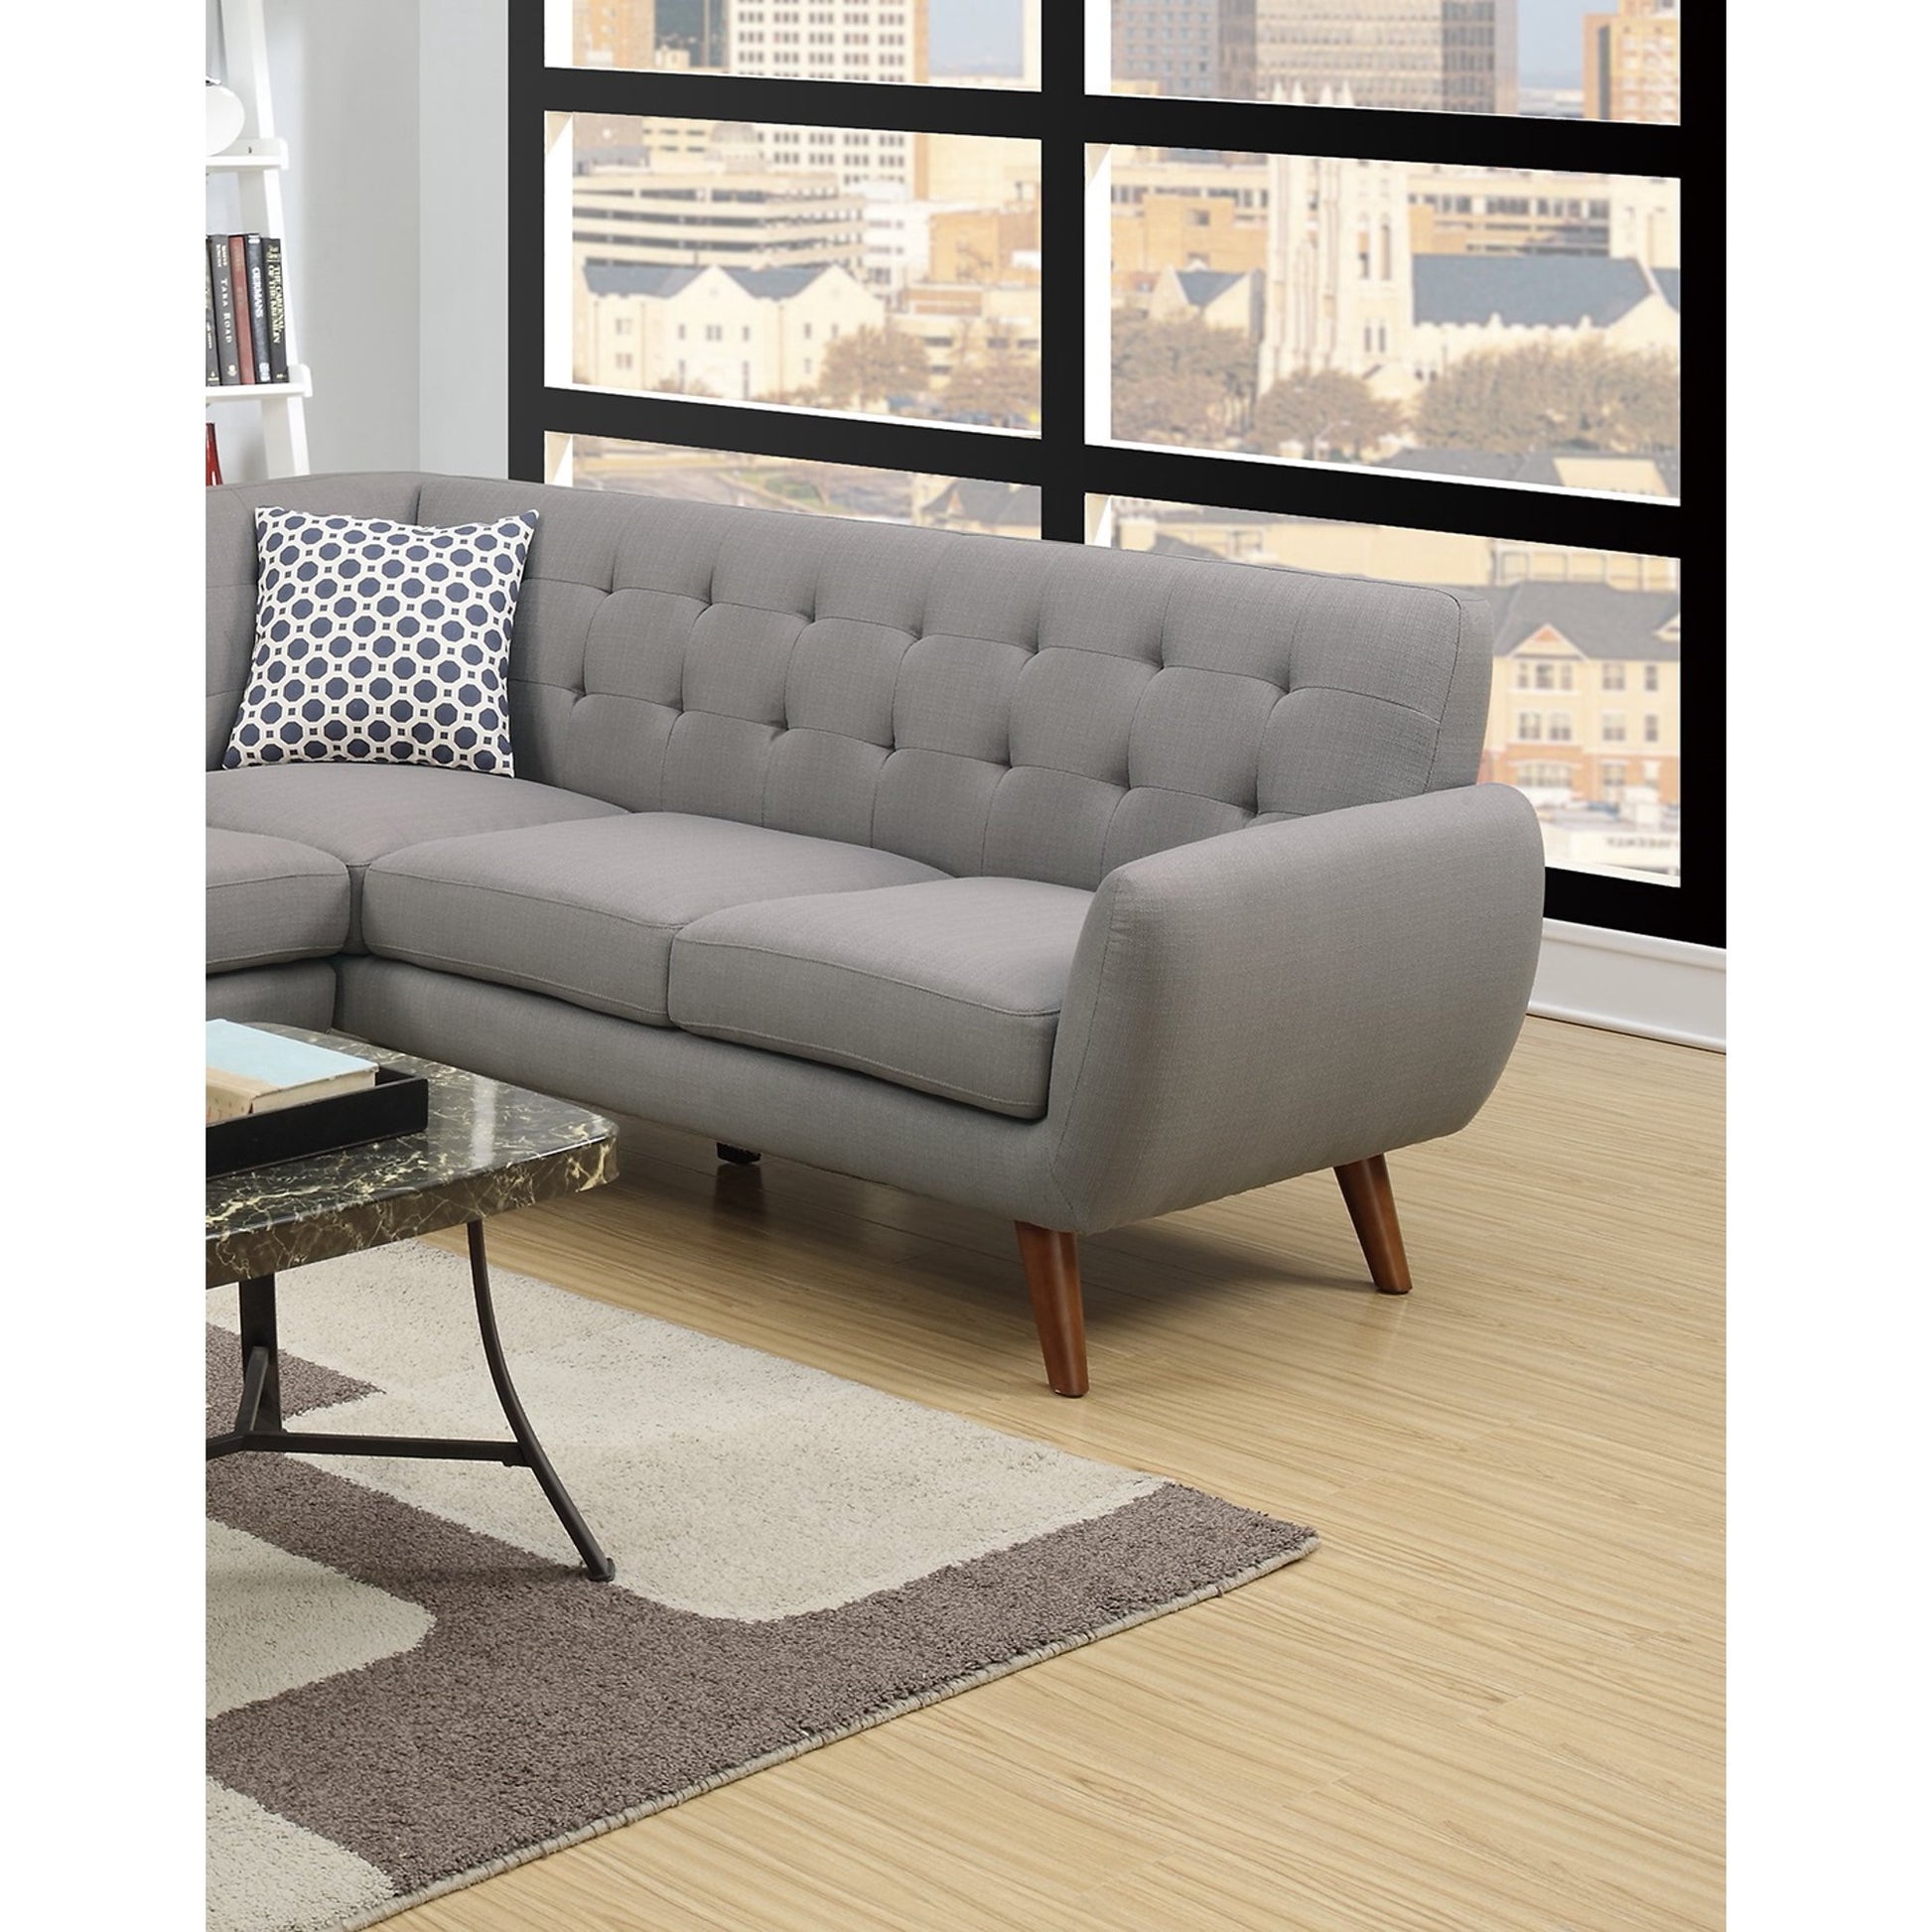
x=298, y=995
x=1188, y=854
x=1284, y=999
x=1294, y=997
x=271, y=899
x=587, y=911
x=983, y=703
x=359, y=812
x=845, y=1123
x=952, y=987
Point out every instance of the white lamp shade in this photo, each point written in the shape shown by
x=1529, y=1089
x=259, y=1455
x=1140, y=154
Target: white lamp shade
x=226, y=115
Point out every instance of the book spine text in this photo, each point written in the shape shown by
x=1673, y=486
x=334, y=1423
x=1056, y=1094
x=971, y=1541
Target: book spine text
x=257, y=306
x=278, y=315
x=238, y=282
x=224, y=315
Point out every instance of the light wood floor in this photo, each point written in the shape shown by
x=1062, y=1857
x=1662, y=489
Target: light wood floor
x=1493, y=1698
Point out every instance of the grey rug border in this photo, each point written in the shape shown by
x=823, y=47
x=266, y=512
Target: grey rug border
x=870, y=1720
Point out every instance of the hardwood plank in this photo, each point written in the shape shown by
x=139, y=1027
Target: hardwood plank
x=1495, y=1694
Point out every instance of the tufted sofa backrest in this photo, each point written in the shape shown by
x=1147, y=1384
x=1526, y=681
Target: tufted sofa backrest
x=984, y=704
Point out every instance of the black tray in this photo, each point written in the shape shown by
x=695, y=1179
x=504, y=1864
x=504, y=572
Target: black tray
x=398, y=1103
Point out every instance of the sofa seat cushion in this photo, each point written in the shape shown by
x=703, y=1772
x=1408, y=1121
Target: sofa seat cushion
x=272, y=899
x=587, y=911
x=952, y=987
x=359, y=812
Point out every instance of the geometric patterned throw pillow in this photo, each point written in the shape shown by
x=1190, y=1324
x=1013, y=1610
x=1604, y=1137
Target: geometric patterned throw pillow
x=383, y=643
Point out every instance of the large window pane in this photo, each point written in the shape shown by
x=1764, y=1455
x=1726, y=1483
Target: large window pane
x=958, y=42
x=1584, y=712
x=1594, y=59
x=1510, y=325
x=791, y=484
x=864, y=269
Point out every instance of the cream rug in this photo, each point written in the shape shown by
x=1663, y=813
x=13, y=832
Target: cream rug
x=410, y=1685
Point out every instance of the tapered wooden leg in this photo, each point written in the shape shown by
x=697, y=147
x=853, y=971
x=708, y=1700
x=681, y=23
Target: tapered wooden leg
x=1371, y=1206
x=737, y=1156
x=1052, y=1263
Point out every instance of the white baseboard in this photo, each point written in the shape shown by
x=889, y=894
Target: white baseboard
x=1665, y=989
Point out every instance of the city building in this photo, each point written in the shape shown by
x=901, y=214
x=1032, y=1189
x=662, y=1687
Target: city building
x=984, y=171
x=1446, y=55
x=1530, y=212
x=1187, y=211
x=898, y=236
x=1217, y=297
x=1340, y=284
x=1209, y=211
x=615, y=33
x=1467, y=303
x=1346, y=288
x=692, y=30
x=960, y=322
x=726, y=209
x=601, y=141
x=744, y=333
x=1185, y=47
x=987, y=244
x=838, y=40
x=1583, y=708
x=1630, y=63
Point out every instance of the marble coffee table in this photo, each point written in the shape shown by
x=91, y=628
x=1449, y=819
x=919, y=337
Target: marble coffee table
x=487, y=1148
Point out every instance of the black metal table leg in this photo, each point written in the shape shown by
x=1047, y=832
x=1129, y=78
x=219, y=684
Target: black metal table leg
x=259, y=1428
x=596, y=1561
x=261, y=1359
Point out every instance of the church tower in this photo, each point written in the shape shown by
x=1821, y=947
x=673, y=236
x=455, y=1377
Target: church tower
x=1340, y=283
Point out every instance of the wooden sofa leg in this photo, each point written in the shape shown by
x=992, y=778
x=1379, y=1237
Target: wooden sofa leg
x=1052, y=1263
x=739, y=1156
x=1371, y=1206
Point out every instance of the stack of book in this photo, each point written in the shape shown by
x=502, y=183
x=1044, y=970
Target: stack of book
x=246, y=309
x=254, y=1072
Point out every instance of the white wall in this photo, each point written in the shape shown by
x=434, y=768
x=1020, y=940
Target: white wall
x=463, y=290
x=398, y=219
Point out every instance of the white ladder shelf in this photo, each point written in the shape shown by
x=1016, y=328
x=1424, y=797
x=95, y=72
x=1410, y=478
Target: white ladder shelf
x=256, y=161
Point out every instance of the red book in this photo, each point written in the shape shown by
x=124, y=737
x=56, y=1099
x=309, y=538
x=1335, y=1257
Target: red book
x=239, y=280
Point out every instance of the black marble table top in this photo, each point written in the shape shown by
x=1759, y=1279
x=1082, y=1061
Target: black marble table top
x=487, y=1148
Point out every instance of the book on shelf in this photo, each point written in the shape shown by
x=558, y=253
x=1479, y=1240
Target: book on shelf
x=239, y=280
x=257, y=305
x=278, y=314
x=251, y=1071
x=213, y=375
x=225, y=335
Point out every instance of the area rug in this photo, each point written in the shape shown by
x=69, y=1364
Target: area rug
x=411, y=1686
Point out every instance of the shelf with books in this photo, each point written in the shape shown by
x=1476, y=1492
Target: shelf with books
x=251, y=347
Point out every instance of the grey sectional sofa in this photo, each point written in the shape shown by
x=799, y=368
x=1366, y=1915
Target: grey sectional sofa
x=1068, y=885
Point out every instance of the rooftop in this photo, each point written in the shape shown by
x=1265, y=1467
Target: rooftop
x=1530, y=466
x=662, y=281
x=1598, y=620
x=1205, y=285
x=1527, y=291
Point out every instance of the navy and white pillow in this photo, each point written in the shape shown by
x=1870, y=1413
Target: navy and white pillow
x=381, y=643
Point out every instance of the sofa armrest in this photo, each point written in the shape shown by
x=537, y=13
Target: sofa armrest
x=1293, y=996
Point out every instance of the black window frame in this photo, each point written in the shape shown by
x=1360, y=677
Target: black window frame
x=1065, y=118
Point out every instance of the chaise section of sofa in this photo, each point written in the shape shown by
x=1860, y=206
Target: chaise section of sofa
x=1071, y=886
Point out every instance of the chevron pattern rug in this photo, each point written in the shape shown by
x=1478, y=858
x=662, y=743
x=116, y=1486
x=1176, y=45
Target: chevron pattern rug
x=410, y=1685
